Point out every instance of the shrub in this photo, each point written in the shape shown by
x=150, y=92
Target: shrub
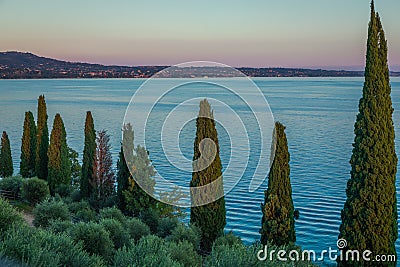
x=102, y=203
x=228, y=239
x=35, y=247
x=34, y=190
x=82, y=211
x=96, y=240
x=74, y=207
x=118, y=234
x=112, y=213
x=63, y=190
x=50, y=211
x=242, y=255
x=137, y=229
x=59, y=227
x=165, y=226
x=8, y=216
x=236, y=255
x=150, y=251
x=190, y=234
x=184, y=253
x=76, y=196
x=151, y=218
x=11, y=184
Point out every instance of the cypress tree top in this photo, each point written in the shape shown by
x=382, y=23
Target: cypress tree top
x=89, y=153
x=278, y=210
x=207, y=183
x=59, y=163
x=369, y=217
x=42, y=142
x=28, y=146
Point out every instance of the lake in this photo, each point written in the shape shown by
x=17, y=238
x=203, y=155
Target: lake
x=319, y=114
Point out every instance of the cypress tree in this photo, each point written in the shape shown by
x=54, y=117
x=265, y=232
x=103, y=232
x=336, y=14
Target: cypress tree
x=89, y=152
x=58, y=153
x=28, y=147
x=123, y=173
x=207, y=168
x=6, y=164
x=42, y=140
x=138, y=195
x=278, y=210
x=369, y=216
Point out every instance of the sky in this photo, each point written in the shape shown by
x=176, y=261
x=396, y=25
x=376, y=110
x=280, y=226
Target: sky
x=256, y=33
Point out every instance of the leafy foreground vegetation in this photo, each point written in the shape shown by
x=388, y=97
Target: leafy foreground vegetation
x=68, y=233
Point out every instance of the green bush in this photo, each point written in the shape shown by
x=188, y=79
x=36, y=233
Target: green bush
x=8, y=216
x=118, y=234
x=150, y=251
x=96, y=240
x=166, y=225
x=82, y=211
x=136, y=228
x=50, y=211
x=59, y=227
x=12, y=184
x=242, y=255
x=112, y=213
x=35, y=247
x=228, y=239
x=76, y=196
x=34, y=190
x=190, y=234
x=236, y=255
x=150, y=217
x=74, y=207
x=184, y=253
x=63, y=190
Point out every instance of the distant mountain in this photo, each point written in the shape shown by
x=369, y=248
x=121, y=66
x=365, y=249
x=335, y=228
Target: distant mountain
x=18, y=65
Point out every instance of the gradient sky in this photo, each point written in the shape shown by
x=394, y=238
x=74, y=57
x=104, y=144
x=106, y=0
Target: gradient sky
x=286, y=33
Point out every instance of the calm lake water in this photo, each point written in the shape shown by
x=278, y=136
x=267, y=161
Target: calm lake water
x=319, y=114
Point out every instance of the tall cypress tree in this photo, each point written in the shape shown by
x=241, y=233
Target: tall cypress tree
x=207, y=168
x=89, y=153
x=28, y=147
x=42, y=141
x=6, y=164
x=278, y=210
x=123, y=173
x=58, y=153
x=369, y=216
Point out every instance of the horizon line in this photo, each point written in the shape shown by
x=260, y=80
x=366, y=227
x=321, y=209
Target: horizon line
x=355, y=68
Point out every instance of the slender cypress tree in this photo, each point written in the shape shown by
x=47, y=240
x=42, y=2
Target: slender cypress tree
x=59, y=162
x=123, y=173
x=278, y=210
x=89, y=152
x=6, y=164
x=207, y=168
x=42, y=141
x=369, y=216
x=28, y=147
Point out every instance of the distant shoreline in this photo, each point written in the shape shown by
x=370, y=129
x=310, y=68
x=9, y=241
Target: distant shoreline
x=17, y=65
